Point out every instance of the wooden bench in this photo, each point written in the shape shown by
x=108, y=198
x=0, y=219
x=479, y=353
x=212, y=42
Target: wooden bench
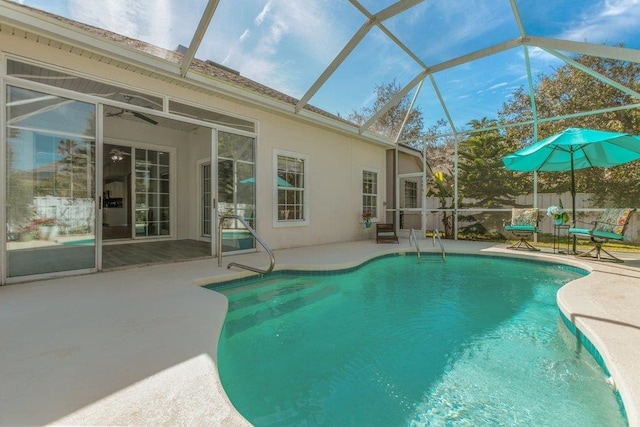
x=610, y=226
x=386, y=233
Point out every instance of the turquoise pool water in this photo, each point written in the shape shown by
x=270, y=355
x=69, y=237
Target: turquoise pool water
x=473, y=341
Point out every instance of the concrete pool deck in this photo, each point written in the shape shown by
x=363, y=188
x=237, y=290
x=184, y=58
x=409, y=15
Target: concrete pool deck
x=138, y=346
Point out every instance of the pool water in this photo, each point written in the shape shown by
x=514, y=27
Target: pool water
x=397, y=342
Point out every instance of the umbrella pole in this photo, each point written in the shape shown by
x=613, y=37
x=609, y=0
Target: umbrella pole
x=573, y=201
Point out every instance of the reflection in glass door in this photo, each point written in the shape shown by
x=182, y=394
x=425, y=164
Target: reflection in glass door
x=236, y=189
x=50, y=185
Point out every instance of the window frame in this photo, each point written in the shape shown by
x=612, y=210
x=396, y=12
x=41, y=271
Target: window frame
x=375, y=206
x=277, y=153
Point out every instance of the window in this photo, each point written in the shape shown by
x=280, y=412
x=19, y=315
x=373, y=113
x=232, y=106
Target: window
x=370, y=192
x=291, y=182
x=410, y=194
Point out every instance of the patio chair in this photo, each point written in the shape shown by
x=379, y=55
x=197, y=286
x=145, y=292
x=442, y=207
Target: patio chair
x=523, y=225
x=386, y=233
x=610, y=226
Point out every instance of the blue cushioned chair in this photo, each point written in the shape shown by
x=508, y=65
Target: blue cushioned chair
x=610, y=226
x=523, y=225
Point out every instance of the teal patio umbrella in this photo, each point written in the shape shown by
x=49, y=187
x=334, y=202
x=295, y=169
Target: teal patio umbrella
x=573, y=149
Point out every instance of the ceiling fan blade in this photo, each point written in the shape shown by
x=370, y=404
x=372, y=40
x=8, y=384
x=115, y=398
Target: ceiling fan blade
x=116, y=114
x=145, y=118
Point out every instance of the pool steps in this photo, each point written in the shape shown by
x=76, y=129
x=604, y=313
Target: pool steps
x=238, y=322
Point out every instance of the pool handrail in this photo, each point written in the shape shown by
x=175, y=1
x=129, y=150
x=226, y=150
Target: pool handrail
x=266, y=247
x=413, y=238
x=436, y=235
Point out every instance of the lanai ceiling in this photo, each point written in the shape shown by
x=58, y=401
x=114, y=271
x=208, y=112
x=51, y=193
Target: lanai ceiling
x=459, y=60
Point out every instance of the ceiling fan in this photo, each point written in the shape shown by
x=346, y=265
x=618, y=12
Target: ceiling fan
x=117, y=155
x=125, y=112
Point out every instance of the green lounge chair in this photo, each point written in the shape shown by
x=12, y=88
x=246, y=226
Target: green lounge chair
x=523, y=225
x=610, y=226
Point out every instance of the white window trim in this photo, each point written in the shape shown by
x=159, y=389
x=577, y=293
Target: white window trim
x=277, y=223
x=375, y=218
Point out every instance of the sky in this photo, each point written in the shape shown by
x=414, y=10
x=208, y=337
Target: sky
x=287, y=44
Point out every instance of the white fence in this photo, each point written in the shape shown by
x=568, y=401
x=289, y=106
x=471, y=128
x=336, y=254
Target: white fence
x=73, y=216
x=586, y=213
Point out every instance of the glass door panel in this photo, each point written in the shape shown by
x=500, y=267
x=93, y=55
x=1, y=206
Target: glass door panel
x=152, y=205
x=50, y=184
x=116, y=192
x=236, y=189
x=205, y=176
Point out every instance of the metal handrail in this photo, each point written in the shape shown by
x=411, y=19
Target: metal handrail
x=254, y=234
x=436, y=235
x=414, y=238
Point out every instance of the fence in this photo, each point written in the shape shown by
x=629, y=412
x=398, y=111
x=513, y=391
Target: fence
x=73, y=216
x=586, y=213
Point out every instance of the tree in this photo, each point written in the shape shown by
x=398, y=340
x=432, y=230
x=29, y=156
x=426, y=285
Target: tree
x=483, y=182
x=439, y=152
x=443, y=189
x=390, y=122
x=482, y=177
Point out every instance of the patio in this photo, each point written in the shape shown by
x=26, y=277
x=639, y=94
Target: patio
x=138, y=346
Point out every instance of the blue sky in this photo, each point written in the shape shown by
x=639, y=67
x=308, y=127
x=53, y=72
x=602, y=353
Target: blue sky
x=286, y=44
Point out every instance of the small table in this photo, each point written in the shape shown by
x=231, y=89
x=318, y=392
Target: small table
x=559, y=231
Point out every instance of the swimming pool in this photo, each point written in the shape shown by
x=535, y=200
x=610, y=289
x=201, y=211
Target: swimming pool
x=474, y=341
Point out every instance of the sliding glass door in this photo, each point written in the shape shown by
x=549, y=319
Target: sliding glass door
x=50, y=185
x=236, y=185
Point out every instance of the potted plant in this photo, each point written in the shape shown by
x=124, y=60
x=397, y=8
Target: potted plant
x=27, y=233
x=47, y=228
x=558, y=213
x=366, y=217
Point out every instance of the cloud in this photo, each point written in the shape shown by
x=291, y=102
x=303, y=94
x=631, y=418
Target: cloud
x=276, y=31
x=147, y=20
x=496, y=86
x=282, y=44
x=609, y=21
x=244, y=35
x=265, y=10
x=456, y=26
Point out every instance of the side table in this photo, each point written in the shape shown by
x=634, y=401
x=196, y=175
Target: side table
x=560, y=231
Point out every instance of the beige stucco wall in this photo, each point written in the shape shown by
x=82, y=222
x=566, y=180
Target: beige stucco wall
x=335, y=161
